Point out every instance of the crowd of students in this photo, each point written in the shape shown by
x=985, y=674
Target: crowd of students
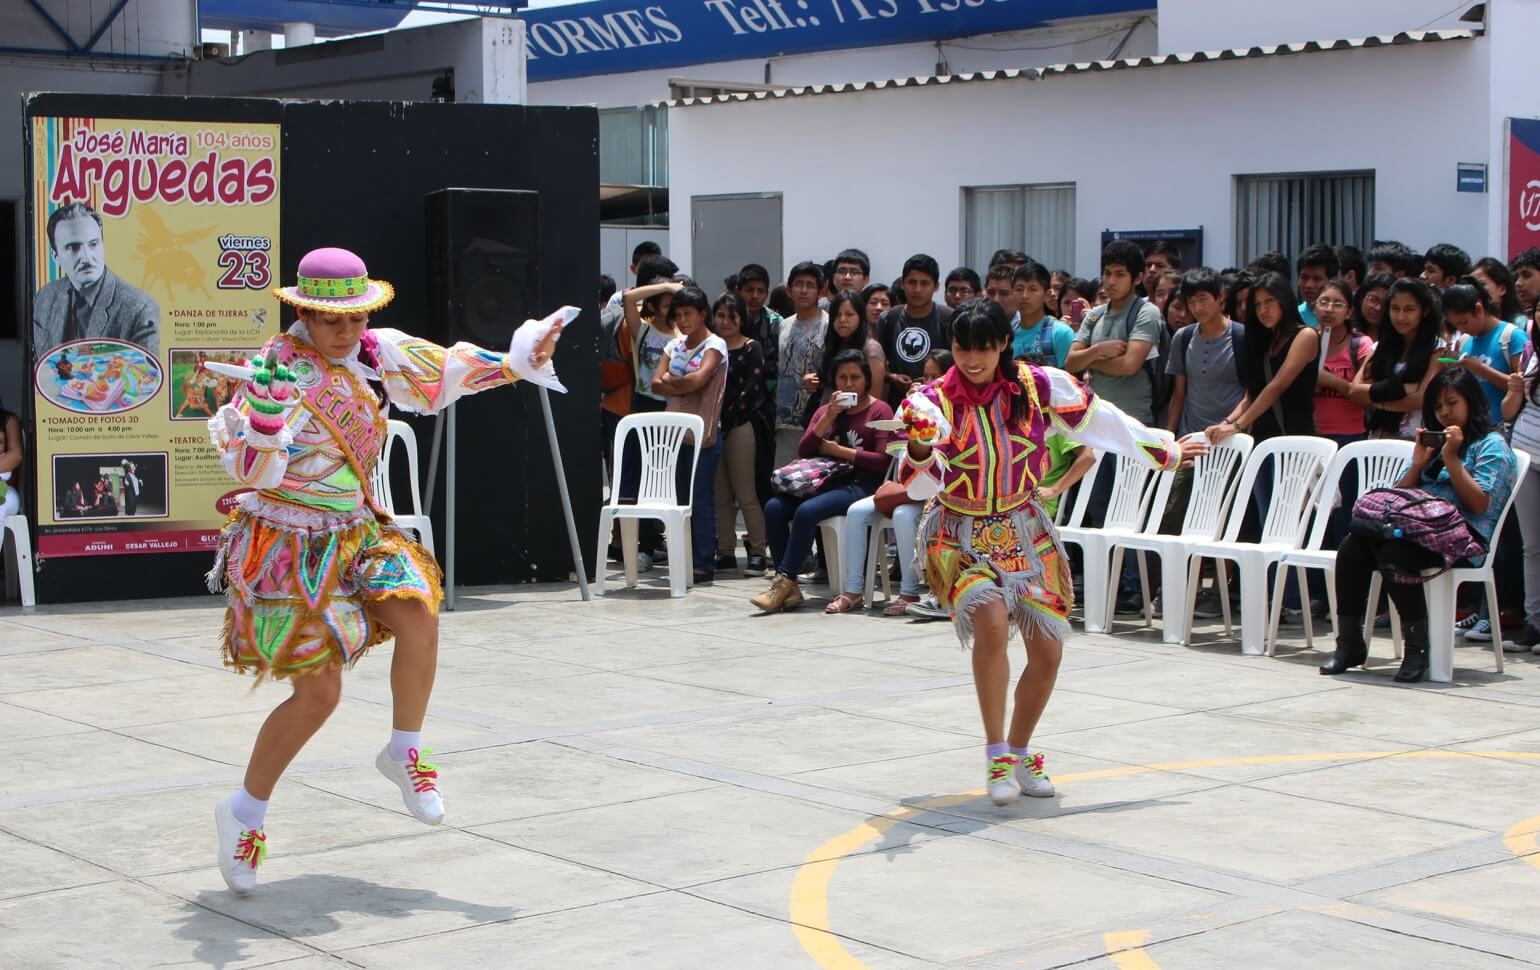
x=1336, y=342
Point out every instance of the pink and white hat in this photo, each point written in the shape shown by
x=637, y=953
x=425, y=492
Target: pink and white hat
x=335, y=281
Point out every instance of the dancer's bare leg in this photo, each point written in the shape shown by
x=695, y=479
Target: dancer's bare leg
x=414, y=661
x=1035, y=686
x=991, y=667
x=286, y=730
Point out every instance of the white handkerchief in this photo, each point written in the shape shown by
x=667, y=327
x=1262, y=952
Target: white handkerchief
x=525, y=339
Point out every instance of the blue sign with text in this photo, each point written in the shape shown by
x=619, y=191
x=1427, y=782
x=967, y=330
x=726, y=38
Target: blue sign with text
x=616, y=36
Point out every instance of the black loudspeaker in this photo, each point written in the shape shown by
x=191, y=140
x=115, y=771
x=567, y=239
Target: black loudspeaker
x=483, y=264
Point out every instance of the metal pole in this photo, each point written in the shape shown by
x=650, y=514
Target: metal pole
x=449, y=518
x=566, y=499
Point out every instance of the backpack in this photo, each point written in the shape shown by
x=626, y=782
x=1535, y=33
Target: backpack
x=615, y=367
x=1418, y=517
x=1155, y=363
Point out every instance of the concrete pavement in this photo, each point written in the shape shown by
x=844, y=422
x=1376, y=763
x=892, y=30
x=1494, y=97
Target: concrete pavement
x=642, y=782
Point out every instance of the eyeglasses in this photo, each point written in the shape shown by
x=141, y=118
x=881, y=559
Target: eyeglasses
x=959, y=291
x=1330, y=305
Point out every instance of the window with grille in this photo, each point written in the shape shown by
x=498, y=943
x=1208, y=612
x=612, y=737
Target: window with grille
x=1039, y=220
x=1289, y=212
x=633, y=146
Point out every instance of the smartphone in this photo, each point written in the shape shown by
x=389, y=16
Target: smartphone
x=1076, y=310
x=846, y=398
x=1430, y=439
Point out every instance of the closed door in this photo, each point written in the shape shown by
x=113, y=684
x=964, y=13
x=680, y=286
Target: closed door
x=727, y=231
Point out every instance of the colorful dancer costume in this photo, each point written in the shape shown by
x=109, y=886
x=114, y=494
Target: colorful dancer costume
x=308, y=555
x=984, y=536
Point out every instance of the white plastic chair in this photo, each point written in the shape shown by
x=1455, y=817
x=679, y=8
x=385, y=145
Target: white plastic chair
x=399, y=432
x=1297, y=464
x=1379, y=464
x=18, y=575
x=1441, y=596
x=1215, y=477
x=661, y=436
x=1127, y=509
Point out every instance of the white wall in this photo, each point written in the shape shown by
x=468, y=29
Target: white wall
x=1136, y=179
x=1086, y=40
x=1205, y=25
x=1513, y=28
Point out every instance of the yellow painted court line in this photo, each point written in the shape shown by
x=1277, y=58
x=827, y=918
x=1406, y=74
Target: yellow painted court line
x=1127, y=950
x=808, y=906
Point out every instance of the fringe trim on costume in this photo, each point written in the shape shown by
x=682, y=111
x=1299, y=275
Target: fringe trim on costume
x=1025, y=615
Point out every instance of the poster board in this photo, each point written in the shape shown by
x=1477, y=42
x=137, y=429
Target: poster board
x=153, y=243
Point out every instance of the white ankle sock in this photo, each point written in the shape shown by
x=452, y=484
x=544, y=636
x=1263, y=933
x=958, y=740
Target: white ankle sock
x=403, y=741
x=249, y=811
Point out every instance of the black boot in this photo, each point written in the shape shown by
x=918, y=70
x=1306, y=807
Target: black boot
x=1414, y=663
x=1351, y=649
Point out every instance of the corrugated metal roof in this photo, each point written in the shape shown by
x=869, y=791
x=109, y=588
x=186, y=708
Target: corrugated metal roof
x=1087, y=67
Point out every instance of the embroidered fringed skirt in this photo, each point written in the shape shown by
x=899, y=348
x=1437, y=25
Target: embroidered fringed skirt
x=299, y=585
x=1013, y=557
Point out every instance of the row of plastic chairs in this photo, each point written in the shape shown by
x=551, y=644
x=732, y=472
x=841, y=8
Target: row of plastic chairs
x=1306, y=474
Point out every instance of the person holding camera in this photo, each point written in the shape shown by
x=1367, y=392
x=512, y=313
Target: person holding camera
x=842, y=438
x=1460, y=458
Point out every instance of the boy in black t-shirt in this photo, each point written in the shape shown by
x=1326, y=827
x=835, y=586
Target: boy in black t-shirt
x=910, y=332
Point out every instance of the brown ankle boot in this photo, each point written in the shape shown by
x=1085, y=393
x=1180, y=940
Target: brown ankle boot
x=783, y=594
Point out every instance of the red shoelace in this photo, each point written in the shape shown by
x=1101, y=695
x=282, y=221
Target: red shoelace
x=421, y=772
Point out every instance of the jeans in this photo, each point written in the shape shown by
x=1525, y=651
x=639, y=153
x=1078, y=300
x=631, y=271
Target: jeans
x=859, y=519
x=1526, y=507
x=703, y=506
x=1358, y=558
x=649, y=531
x=1096, y=517
x=792, y=523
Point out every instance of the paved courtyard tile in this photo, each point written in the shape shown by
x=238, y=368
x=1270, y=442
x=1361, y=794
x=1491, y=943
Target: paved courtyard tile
x=643, y=782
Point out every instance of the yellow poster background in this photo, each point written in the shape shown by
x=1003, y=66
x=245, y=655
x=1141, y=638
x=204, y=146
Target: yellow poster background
x=189, y=226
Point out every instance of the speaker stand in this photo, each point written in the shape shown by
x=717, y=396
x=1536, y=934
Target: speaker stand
x=444, y=427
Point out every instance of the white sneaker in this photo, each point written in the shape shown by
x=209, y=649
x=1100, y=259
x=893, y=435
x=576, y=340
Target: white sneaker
x=1032, y=778
x=241, y=850
x=418, y=782
x=1000, y=775
x=1482, y=631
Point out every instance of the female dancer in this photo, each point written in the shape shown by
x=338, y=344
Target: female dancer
x=992, y=556
x=316, y=571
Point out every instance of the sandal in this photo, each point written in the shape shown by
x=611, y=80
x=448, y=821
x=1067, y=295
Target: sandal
x=900, y=606
x=845, y=603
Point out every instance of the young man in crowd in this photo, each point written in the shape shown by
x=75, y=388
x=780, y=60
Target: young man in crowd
x=909, y=333
x=998, y=286
x=852, y=271
x=1112, y=346
x=800, y=353
x=1443, y=264
x=1351, y=265
x=640, y=252
x=1007, y=257
x=1526, y=279
x=1271, y=261
x=1395, y=258
x=1035, y=332
x=1204, y=368
x=760, y=324
x=1163, y=257
x=1317, y=264
x=962, y=285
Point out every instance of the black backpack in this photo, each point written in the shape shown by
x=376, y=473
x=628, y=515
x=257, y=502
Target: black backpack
x=1155, y=363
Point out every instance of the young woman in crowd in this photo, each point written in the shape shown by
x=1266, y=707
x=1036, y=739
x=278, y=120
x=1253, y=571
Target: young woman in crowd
x=848, y=330
x=992, y=554
x=1498, y=279
x=691, y=378
x=1465, y=462
x=747, y=419
x=1176, y=315
x=11, y=457
x=1238, y=295
x=1369, y=305
x=1521, y=406
x=1279, y=367
x=839, y=430
x=1058, y=285
x=1336, y=416
x=877, y=300
x=1405, y=359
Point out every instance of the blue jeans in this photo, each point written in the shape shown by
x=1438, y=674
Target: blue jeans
x=792, y=523
x=703, y=504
